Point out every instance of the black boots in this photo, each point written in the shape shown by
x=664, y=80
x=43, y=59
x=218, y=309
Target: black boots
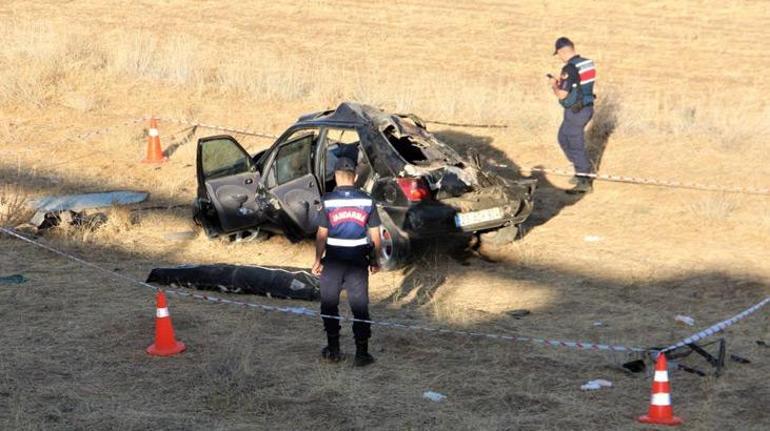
x=582, y=186
x=363, y=358
x=332, y=351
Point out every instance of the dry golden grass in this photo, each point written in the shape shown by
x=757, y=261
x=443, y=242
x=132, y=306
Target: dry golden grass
x=679, y=98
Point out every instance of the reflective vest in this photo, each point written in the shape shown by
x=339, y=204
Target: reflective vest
x=347, y=211
x=584, y=91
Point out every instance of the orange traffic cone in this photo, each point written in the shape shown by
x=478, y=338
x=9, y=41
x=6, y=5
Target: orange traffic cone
x=661, y=412
x=154, y=152
x=165, y=344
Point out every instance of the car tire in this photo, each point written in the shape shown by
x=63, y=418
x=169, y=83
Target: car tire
x=492, y=244
x=396, y=247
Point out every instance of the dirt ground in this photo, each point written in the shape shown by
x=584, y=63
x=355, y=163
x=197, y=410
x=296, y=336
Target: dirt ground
x=680, y=97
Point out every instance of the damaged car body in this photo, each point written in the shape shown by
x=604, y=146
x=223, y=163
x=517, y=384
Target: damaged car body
x=422, y=187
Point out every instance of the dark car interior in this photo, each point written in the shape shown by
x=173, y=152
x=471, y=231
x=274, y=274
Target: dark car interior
x=344, y=143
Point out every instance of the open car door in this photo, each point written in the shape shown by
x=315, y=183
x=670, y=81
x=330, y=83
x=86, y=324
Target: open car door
x=291, y=180
x=228, y=177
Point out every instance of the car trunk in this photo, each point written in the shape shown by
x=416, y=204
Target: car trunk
x=458, y=187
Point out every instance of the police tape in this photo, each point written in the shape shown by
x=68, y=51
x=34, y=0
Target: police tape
x=649, y=181
x=553, y=171
x=302, y=311
x=89, y=134
x=718, y=327
x=468, y=125
x=214, y=127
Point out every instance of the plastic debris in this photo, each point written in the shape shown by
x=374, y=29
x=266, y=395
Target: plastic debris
x=598, y=323
x=13, y=279
x=518, y=314
x=180, y=236
x=592, y=238
x=740, y=359
x=595, y=385
x=687, y=320
x=434, y=396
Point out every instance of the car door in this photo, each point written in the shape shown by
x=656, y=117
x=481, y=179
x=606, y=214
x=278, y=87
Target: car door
x=228, y=177
x=291, y=180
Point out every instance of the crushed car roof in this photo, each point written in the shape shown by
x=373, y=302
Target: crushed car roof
x=351, y=112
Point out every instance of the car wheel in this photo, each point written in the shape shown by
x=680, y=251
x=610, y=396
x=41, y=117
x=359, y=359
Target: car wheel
x=492, y=244
x=394, y=244
x=503, y=236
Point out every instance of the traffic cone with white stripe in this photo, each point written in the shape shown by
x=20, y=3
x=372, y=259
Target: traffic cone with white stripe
x=165, y=344
x=660, y=412
x=154, y=152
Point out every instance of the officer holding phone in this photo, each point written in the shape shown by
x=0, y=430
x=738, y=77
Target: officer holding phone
x=575, y=90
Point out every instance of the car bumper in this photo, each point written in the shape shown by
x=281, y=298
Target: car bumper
x=430, y=220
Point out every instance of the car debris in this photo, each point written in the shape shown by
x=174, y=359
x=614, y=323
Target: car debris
x=433, y=396
x=687, y=320
x=518, y=314
x=13, y=279
x=595, y=385
x=71, y=209
x=422, y=187
x=248, y=279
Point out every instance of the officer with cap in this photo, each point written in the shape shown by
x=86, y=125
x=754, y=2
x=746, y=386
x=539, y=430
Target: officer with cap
x=343, y=256
x=575, y=90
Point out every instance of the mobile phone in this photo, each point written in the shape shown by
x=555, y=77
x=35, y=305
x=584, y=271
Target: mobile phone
x=549, y=76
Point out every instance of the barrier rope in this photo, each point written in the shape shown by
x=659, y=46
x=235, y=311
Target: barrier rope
x=215, y=127
x=553, y=171
x=302, y=311
x=718, y=327
x=468, y=125
x=649, y=181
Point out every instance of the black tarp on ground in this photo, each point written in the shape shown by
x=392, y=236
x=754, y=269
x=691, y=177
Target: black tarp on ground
x=260, y=280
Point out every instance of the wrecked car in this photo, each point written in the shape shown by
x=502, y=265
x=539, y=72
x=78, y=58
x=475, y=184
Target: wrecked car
x=422, y=187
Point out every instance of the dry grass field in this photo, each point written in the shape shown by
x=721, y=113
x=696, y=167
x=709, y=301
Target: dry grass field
x=682, y=95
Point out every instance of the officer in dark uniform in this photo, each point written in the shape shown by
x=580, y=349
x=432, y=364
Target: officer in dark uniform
x=575, y=90
x=343, y=259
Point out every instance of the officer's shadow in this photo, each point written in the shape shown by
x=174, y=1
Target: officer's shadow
x=550, y=200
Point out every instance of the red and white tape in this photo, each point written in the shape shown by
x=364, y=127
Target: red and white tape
x=215, y=127
x=302, y=311
x=651, y=181
x=719, y=327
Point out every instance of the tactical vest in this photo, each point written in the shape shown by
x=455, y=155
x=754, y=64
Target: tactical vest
x=347, y=210
x=584, y=92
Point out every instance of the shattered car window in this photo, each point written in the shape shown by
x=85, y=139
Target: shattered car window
x=407, y=146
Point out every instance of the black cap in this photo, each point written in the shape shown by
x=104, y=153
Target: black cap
x=345, y=164
x=561, y=43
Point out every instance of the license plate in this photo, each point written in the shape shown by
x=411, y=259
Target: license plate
x=478, y=217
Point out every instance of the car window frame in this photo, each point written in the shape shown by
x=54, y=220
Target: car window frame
x=284, y=140
x=321, y=152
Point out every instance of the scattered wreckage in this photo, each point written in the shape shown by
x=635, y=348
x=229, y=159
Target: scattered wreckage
x=76, y=209
x=423, y=188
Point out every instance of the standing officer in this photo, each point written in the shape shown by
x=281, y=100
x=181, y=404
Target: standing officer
x=575, y=90
x=348, y=215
